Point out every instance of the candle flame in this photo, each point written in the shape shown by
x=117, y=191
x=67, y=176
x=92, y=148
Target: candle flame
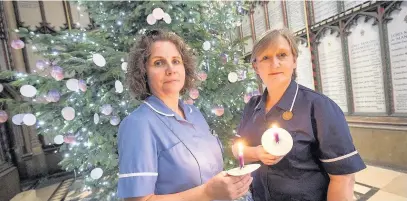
x=240, y=148
x=274, y=126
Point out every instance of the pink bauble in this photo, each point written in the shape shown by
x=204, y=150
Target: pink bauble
x=224, y=58
x=82, y=85
x=247, y=98
x=57, y=73
x=53, y=96
x=202, y=76
x=3, y=116
x=17, y=44
x=194, y=93
x=69, y=139
x=218, y=111
x=40, y=64
x=189, y=101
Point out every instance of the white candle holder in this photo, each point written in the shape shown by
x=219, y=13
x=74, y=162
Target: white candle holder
x=277, y=141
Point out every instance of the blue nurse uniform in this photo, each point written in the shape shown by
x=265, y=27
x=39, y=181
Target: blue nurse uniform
x=162, y=153
x=322, y=145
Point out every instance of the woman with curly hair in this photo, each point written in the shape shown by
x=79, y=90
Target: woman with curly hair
x=166, y=151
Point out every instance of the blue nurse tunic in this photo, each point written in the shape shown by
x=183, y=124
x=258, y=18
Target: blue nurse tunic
x=162, y=153
x=322, y=145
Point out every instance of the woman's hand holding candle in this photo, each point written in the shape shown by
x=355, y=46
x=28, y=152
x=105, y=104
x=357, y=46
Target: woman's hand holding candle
x=266, y=158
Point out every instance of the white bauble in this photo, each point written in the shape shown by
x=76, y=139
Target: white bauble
x=29, y=119
x=96, y=173
x=28, y=91
x=68, y=113
x=99, y=60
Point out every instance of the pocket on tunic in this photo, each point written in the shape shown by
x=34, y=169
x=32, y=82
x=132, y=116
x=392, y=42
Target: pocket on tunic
x=301, y=147
x=290, y=166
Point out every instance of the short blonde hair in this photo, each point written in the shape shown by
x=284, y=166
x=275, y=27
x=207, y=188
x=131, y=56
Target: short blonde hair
x=269, y=37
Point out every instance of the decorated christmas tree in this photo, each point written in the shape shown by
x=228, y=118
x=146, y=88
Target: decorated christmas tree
x=77, y=96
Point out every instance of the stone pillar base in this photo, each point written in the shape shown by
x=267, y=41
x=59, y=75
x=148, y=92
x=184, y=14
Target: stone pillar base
x=10, y=183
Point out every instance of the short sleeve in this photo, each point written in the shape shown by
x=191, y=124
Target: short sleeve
x=335, y=145
x=137, y=158
x=247, y=113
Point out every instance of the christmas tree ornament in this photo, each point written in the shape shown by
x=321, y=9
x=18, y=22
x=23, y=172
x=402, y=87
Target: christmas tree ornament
x=68, y=113
x=3, y=116
x=96, y=118
x=235, y=59
x=59, y=139
x=53, y=95
x=202, y=76
x=167, y=18
x=151, y=20
x=17, y=44
x=106, y=109
x=29, y=119
x=218, y=110
x=96, y=173
x=242, y=74
x=28, y=91
x=40, y=64
x=69, y=139
x=206, y=45
x=18, y=119
x=232, y=77
x=57, y=73
x=158, y=13
x=72, y=84
x=224, y=58
x=115, y=120
x=247, y=98
x=194, y=93
x=99, y=60
x=82, y=85
x=189, y=101
x=118, y=86
x=124, y=66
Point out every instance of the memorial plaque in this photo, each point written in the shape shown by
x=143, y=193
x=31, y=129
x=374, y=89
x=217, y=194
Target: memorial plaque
x=79, y=15
x=275, y=12
x=246, y=31
x=54, y=13
x=324, y=9
x=351, y=4
x=30, y=13
x=295, y=13
x=305, y=75
x=397, y=36
x=259, y=20
x=332, y=69
x=366, y=67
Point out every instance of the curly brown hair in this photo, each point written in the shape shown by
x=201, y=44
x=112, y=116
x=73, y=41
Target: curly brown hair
x=140, y=53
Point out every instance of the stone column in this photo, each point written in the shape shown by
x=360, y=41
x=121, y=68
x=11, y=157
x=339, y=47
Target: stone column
x=17, y=61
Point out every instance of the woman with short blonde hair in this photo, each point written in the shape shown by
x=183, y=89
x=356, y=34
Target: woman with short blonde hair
x=323, y=159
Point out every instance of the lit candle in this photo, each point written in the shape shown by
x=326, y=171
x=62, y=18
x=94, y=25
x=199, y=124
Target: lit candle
x=240, y=153
x=277, y=141
x=276, y=136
